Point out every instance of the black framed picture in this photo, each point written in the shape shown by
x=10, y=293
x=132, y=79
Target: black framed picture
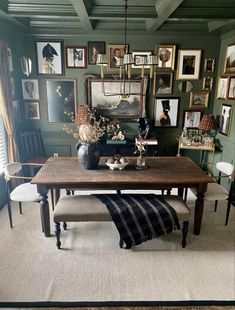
x=61, y=99
x=166, y=112
x=115, y=106
x=95, y=48
x=49, y=57
x=225, y=119
x=32, y=110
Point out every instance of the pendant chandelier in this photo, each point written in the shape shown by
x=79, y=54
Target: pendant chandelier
x=125, y=64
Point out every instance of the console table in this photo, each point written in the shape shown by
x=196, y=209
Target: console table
x=162, y=173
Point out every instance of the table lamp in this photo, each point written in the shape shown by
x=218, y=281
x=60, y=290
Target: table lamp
x=207, y=123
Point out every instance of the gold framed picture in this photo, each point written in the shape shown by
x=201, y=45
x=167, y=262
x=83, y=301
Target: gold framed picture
x=115, y=51
x=229, y=65
x=166, y=56
x=222, y=87
x=199, y=100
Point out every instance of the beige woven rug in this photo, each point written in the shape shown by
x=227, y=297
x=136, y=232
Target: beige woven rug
x=92, y=268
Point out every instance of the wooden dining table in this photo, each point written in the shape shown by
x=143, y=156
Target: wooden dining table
x=161, y=173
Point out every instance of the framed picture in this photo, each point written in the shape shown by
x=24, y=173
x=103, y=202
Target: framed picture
x=137, y=56
x=31, y=109
x=229, y=66
x=61, y=98
x=222, y=87
x=115, y=51
x=76, y=57
x=225, y=119
x=12, y=87
x=207, y=83
x=209, y=65
x=166, y=56
x=30, y=89
x=231, y=87
x=199, y=100
x=16, y=110
x=114, y=106
x=163, y=83
x=49, y=57
x=188, y=67
x=191, y=118
x=95, y=48
x=166, y=112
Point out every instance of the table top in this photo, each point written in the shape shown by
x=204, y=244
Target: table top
x=68, y=172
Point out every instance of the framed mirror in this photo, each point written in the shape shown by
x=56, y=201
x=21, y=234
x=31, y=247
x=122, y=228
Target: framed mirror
x=26, y=65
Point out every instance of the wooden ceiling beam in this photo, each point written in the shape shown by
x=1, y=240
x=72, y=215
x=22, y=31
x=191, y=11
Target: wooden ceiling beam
x=218, y=25
x=164, y=9
x=82, y=13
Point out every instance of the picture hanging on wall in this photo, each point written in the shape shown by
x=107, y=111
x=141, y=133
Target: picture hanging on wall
x=95, y=48
x=166, y=112
x=199, y=100
x=61, y=98
x=222, y=87
x=207, y=83
x=49, y=57
x=191, y=118
x=188, y=67
x=229, y=65
x=209, y=65
x=166, y=56
x=115, y=51
x=16, y=110
x=30, y=89
x=225, y=119
x=10, y=63
x=31, y=109
x=231, y=88
x=76, y=57
x=116, y=106
x=163, y=83
x=137, y=58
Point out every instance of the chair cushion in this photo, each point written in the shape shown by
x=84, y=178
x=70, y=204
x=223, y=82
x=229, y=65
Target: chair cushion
x=214, y=192
x=85, y=208
x=25, y=192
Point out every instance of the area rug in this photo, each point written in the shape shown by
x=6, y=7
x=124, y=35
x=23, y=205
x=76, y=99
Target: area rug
x=91, y=270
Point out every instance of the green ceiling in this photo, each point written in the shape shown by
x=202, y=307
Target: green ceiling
x=68, y=18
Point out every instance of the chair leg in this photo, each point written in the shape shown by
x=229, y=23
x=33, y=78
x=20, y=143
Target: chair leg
x=57, y=233
x=52, y=200
x=216, y=204
x=185, y=233
x=185, y=194
x=20, y=207
x=228, y=211
x=9, y=214
x=65, y=226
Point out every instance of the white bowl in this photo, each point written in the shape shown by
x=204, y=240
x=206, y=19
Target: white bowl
x=117, y=166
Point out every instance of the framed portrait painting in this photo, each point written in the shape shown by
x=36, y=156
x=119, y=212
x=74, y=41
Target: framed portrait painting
x=225, y=119
x=231, y=88
x=61, y=99
x=166, y=112
x=95, y=48
x=163, y=83
x=222, y=87
x=30, y=89
x=199, y=100
x=209, y=65
x=188, y=67
x=31, y=109
x=229, y=65
x=191, y=118
x=49, y=57
x=115, y=51
x=115, y=106
x=76, y=57
x=166, y=56
x=207, y=83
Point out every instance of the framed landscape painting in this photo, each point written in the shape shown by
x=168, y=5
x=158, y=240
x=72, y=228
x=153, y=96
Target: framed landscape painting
x=166, y=112
x=199, y=100
x=115, y=106
x=61, y=99
x=188, y=67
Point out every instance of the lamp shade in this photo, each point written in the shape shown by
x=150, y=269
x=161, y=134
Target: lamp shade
x=152, y=60
x=207, y=123
x=82, y=115
x=128, y=59
x=120, y=62
x=101, y=59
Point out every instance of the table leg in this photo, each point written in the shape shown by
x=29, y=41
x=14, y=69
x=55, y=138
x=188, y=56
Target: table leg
x=199, y=205
x=45, y=216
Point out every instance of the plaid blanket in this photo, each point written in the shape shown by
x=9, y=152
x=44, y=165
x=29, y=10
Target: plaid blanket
x=140, y=217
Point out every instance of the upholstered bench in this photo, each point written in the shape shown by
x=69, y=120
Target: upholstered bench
x=88, y=208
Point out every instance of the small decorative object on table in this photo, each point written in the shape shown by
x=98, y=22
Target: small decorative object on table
x=141, y=149
x=117, y=162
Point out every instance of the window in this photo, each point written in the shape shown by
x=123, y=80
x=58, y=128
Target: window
x=3, y=147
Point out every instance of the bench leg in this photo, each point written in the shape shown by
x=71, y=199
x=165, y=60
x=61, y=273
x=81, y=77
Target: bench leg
x=65, y=225
x=185, y=233
x=57, y=233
